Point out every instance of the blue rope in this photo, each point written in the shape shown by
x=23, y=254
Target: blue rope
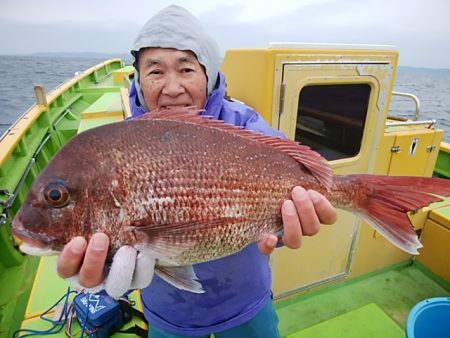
x=58, y=325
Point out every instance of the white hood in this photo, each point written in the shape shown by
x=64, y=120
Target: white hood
x=175, y=27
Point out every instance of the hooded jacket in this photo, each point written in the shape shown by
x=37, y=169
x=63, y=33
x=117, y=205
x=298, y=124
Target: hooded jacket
x=238, y=286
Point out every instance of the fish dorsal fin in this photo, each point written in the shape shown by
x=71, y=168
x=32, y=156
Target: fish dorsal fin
x=312, y=161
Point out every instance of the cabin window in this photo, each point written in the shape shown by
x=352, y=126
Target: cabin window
x=331, y=118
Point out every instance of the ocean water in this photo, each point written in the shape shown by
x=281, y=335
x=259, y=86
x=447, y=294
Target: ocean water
x=19, y=74
x=432, y=87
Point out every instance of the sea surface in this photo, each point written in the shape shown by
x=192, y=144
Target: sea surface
x=19, y=74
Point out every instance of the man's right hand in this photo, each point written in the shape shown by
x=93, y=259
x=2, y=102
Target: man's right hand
x=83, y=265
x=85, y=259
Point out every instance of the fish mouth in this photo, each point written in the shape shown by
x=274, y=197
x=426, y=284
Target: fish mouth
x=32, y=243
x=32, y=250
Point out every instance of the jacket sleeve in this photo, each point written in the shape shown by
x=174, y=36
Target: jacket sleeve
x=136, y=109
x=257, y=123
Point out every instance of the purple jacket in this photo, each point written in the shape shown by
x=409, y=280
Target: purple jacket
x=237, y=286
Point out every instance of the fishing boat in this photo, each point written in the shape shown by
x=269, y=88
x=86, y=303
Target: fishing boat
x=348, y=281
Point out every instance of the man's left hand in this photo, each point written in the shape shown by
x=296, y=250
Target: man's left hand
x=302, y=216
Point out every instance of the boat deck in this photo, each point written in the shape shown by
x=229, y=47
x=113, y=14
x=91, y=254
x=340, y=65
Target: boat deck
x=46, y=302
x=374, y=305
x=364, y=307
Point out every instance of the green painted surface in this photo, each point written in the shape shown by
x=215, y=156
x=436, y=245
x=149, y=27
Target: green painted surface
x=445, y=211
x=108, y=102
x=394, y=291
x=368, y=321
x=88, y=124
x=15, y=285
x=437, y=279
x=442, y=168
x=127, y=69
x=60, y=122
x=46, y=279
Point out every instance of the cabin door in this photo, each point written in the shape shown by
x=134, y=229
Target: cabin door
x=336, y=109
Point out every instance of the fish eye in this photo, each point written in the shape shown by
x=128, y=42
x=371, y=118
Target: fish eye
x=56, y=194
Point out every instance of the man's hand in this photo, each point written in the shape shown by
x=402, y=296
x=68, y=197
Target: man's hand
x=83, y=266
x=86, y=260
x=302, y=216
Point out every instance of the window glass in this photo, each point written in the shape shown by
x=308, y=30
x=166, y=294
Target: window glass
x=331, y=118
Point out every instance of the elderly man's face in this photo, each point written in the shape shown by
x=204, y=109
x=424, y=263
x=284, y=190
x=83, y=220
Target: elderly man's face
x=172, y=78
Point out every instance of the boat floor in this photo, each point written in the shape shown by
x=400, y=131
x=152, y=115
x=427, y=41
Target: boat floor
x=374, y=305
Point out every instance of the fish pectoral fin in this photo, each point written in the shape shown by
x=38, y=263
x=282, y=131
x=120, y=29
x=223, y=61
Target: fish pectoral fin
x=171, y=240
x=182, y=277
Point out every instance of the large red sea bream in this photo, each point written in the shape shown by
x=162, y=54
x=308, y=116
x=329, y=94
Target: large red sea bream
x=190, y=189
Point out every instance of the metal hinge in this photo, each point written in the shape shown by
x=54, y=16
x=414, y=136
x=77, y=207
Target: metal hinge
x=396, y=149
x=430, y=149
x=282, y=91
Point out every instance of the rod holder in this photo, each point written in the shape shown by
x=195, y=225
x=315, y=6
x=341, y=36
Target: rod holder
x=41, y=98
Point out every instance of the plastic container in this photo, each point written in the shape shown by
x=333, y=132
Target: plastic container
x=429, y=319
x=99, y=314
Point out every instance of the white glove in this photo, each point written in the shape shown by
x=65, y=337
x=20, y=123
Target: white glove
x=129, y=270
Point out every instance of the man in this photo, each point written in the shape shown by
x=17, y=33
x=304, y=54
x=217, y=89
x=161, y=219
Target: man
x=177, y=65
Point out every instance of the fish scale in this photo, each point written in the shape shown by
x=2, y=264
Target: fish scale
x=202, y=206
x=187, y=189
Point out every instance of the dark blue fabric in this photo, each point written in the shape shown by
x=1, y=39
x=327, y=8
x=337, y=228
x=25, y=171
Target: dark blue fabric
x=263, y=325
x=238, y=286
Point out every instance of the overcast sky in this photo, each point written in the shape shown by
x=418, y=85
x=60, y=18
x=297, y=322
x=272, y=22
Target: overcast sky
x=419, y=29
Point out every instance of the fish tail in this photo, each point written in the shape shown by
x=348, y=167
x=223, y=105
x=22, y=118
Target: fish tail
x=386, y=200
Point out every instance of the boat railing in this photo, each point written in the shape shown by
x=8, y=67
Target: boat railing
x=7, y=204
x=429, y=123
x=412, y=97
x=405, y=121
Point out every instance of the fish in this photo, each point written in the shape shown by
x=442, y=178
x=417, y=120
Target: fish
x=188, y=189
